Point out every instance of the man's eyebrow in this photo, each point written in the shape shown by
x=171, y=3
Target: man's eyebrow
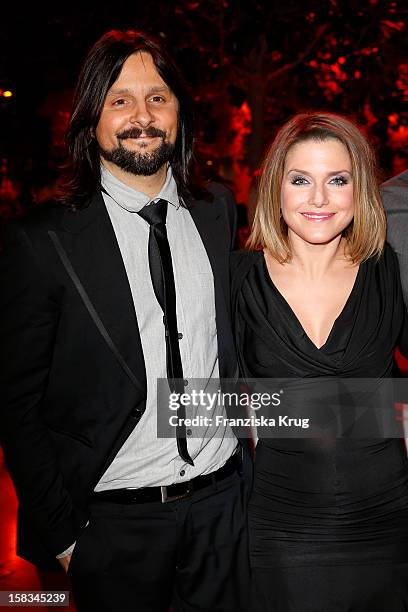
x=159, y=88
x=150, y=90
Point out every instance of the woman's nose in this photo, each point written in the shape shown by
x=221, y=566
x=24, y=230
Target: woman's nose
x=319, y=196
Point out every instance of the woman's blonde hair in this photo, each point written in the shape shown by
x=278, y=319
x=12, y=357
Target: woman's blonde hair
x=366, y=234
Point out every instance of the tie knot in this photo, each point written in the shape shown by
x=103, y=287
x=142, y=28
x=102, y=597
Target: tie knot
x=155, y=213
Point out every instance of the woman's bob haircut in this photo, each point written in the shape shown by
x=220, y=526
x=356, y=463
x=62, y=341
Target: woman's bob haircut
x=365, y=235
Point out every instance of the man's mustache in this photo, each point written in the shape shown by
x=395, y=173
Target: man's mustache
x=150, y=132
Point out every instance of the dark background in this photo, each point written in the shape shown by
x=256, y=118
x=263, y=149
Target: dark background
x=251, y=65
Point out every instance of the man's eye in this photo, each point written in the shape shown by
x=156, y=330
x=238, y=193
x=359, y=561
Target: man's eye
x=157, y=99
x=339, y=180
x=298, y=180
x=119, y=102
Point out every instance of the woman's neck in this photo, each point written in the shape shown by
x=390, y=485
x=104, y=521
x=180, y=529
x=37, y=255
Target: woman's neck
x=316, y=260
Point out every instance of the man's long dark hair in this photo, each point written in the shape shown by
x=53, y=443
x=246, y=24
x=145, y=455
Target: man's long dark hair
x=100, y=70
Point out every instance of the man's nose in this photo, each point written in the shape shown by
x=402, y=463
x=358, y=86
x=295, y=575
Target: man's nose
x=141, y=114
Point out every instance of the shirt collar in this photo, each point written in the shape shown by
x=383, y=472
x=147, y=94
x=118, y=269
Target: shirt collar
x=133, y=201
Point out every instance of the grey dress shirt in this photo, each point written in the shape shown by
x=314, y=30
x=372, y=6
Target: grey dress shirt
x=146, y=460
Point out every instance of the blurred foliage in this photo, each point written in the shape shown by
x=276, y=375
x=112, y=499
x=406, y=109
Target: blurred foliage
x=251, y=65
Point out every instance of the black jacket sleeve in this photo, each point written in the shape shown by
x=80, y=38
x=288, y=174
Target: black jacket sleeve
x=392, y=265
x=403, y=339
x=29, y=313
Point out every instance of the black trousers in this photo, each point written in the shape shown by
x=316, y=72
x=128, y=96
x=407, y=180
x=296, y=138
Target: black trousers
x=190, y=554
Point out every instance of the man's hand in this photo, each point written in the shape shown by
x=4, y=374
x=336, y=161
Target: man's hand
x=65, y=561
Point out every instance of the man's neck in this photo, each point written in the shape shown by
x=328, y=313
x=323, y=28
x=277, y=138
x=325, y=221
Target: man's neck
x=150, y=185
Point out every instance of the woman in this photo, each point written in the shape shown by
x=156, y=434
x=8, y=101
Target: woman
x=322, y=297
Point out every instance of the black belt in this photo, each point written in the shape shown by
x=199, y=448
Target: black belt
x=172, y=492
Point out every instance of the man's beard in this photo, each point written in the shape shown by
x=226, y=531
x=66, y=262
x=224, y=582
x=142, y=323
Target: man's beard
x=144, y=164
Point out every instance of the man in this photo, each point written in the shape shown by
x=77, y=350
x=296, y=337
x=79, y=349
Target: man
x=139, y=522
x=395, y=198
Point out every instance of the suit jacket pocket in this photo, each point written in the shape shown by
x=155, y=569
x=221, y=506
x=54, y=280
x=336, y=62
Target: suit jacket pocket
x=74, y=435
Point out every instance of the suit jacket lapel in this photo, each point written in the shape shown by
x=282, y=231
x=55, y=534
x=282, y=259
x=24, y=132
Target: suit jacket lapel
x=89, y=241
x=213, y=232
x=207, y=219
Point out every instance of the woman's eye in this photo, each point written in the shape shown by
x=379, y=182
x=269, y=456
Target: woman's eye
x=119, y=102
x=298, y=180
x=157, y=99
x=339, y=180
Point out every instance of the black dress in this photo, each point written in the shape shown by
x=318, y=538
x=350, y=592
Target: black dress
x=328, y=523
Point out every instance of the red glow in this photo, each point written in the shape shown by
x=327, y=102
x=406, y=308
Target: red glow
x=393, y=119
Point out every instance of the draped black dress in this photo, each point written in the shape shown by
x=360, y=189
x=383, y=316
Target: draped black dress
x=328, y=523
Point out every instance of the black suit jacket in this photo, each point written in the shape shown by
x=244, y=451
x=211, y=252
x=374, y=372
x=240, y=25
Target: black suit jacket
x=72, y=367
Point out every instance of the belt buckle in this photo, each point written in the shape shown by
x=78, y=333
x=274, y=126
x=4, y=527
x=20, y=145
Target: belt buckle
x=169, y=498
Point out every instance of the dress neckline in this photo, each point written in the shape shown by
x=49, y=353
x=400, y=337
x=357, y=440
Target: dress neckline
x=296, y=320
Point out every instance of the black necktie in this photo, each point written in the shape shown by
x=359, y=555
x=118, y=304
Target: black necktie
x=161, y=271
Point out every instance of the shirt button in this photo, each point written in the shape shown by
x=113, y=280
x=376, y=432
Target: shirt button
x=180, y=336
x=182, y=472
x=189, y=432
x=185, y=382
